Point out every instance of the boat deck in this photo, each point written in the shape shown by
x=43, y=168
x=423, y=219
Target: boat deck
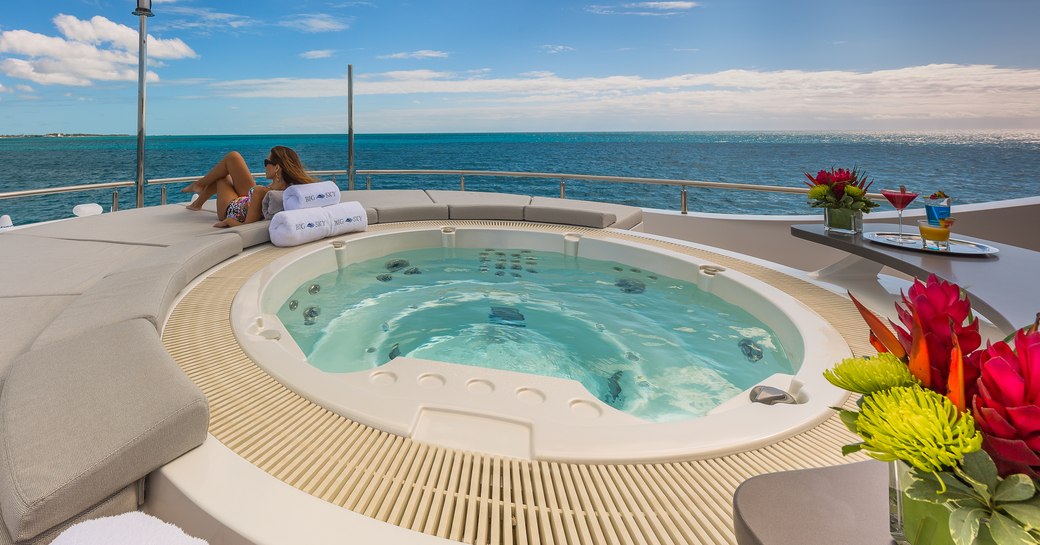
x=467, y=496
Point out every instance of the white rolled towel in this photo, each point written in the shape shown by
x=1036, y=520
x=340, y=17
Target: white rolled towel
x=295, y=227
x=299, y=196
x=347, y=217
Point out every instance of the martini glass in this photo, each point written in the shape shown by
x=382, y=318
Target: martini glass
x=900, y=199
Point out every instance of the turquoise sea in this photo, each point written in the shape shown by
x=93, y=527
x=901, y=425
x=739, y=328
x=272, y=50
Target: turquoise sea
x=970, y=166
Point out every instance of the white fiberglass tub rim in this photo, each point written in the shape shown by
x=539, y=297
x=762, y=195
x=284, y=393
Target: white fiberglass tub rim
x=422, y=389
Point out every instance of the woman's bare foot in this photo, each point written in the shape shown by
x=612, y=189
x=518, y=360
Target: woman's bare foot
x=194, y=207
x=221, y=223
x=193, y=187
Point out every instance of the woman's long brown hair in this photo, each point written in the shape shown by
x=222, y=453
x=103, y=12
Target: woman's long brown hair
x=293, y=171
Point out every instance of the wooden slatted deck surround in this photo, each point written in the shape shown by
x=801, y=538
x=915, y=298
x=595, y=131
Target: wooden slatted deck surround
x=468, y=496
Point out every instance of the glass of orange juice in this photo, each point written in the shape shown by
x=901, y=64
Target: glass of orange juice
x=936, y=237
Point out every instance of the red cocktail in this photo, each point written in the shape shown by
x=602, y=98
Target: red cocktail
x=900, y=199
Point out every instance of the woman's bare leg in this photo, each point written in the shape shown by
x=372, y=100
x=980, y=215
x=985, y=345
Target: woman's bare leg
x=226, y=193
x=231, y=165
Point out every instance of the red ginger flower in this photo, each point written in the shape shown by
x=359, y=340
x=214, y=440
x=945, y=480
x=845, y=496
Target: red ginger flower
x=943, y=313
x=1006, y=407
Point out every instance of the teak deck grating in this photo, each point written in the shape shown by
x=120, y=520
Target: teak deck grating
x=468, y=496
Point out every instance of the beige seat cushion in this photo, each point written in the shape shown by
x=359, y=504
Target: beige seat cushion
x=479, y=205
x=145, y=293
x=84, y=417
x=583, y=213
x=392, y=205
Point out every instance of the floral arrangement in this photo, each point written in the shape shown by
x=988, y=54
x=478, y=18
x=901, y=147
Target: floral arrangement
x=965, y=418
x=839, y=188
x=938, y=195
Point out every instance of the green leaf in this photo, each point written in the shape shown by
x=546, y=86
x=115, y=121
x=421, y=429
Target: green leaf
x=1008, y=532
x=981, y=473
x=849, y=449
x=849, y=418
x=1017, y=487
x=964, y=525
x=926, y=490
x=925, y=487
x=1026, y=512
x=955, y=484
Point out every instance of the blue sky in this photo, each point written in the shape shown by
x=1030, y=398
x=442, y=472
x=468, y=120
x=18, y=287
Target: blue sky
x=260, y=66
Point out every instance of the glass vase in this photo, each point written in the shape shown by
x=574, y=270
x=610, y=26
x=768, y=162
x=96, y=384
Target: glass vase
x=913, y=522
x=843, y=221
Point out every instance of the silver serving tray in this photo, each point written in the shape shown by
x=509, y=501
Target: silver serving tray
x=913, y=242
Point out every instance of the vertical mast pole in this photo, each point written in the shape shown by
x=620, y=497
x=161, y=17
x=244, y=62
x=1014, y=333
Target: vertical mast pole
x=142, y=51
x=350, y=127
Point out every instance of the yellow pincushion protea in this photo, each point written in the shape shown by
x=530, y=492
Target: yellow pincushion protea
x=869, y=375
x=819, y=192
x=917, y=426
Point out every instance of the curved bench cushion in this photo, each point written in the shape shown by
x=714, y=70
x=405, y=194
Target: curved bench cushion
x=574, y=212
x=155, y=225
x=146, y=293
x=197, y=255
x=480, y=205
x=124, y=501
x=28, y=316
x=86, y=416
x=392, y=205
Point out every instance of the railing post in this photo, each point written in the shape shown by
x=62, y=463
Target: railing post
x=162, y=195
x=462, y=183
x=563, y=188
x=115, y=200
x=682, y=204
x=350, y=183
x=368, y=182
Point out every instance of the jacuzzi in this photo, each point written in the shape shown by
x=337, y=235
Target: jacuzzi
x=532, y=416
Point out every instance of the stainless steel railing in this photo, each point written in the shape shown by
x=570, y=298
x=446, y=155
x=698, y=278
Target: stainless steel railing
x=682, y=184
x=72, y=189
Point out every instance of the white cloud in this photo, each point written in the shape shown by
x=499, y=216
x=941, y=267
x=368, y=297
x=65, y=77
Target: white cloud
x=204, y=20
x=313, y=23
x=25, y=88
x=317, y=54
x=667, y=6
x=420, y=54
x=643, y=8
x=94, y=50
x=99, y=30
x=788, y=98
x=553, y=49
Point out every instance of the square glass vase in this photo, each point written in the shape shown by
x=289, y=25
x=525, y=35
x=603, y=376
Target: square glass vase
x=913, y=522
x=843, y=221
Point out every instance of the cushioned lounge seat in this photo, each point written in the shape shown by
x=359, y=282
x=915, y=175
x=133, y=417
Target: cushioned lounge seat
x=824, y=506
x=393, y=205
x=157, y=225
x=584, y=213
x=124, y=501
x=144, y=293
x=85, y=417
x=34, y=265
x=479, y=205
x=197, y=255
x=25, y=318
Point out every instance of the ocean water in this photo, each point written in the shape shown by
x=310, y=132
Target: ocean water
x=970, y=166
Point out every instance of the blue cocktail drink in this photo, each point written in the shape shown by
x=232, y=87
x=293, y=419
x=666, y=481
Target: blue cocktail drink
x=937, y=207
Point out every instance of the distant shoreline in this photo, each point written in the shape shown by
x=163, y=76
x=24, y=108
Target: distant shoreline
x=57, y=135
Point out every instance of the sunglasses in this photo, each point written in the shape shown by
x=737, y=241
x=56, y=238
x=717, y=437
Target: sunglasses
x=268, y=162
